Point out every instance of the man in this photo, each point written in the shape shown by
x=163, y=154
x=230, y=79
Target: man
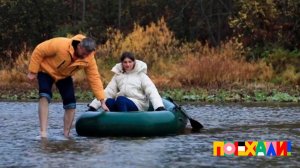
x=55, y=61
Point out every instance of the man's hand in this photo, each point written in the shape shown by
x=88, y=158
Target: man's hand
x=103, y=105
x=105, y=108
x=31, y=76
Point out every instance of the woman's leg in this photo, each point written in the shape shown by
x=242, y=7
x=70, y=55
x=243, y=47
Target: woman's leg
x=125, y=104
x=110, y=103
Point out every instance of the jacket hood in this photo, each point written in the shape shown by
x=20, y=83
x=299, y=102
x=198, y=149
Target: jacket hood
x=78, y=37
x=140, y=66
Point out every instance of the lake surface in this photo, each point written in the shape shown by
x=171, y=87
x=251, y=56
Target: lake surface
x=20, y=147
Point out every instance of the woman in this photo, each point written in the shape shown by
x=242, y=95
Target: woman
x=130, y=88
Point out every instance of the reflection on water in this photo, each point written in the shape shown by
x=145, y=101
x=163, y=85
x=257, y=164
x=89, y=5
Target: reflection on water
x=19, y=146
x=60, y=146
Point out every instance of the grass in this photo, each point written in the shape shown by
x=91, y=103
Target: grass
x=196, y=95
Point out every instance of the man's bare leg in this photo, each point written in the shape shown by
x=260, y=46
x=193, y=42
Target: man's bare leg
x=43, y=116
x=68, y=120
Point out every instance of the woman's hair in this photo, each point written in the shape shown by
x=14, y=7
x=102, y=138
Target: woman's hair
x=127, y=55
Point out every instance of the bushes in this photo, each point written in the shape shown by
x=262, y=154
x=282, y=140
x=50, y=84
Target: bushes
x=173, y=64
x=181, y=65
x=286, y=65
x=223, y=67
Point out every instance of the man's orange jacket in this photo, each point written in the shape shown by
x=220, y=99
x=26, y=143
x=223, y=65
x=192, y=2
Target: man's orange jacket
x=54, y=57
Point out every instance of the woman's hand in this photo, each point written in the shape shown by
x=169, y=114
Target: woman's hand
x=160, y=109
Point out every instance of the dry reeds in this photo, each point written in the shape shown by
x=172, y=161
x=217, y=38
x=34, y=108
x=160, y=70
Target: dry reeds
x=171, y=64
x=217, y=67
x=15, y=76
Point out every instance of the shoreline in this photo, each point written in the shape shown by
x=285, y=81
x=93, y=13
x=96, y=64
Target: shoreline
x=182, y=95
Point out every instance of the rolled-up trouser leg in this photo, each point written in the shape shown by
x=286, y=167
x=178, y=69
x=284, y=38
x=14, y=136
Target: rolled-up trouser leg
x=45, y=85
x=66, y=90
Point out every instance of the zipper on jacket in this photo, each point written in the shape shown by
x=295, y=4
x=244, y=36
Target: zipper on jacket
x=61, y=64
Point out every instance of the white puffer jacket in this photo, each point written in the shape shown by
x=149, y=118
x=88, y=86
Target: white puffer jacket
x=135, y=85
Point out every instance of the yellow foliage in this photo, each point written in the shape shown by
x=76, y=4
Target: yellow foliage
x=149, y=44
x=290, y=75
x=263, y=71
x=171, y=64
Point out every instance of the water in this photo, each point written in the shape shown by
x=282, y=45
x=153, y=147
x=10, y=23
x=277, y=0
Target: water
x=20, y=147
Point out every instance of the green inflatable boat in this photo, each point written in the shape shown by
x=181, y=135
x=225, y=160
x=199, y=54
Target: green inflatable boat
x=145, y=123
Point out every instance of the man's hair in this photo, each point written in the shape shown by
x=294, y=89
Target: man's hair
x=89, y=44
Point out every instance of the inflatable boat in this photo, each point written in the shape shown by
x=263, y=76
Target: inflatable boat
x=141, y=123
